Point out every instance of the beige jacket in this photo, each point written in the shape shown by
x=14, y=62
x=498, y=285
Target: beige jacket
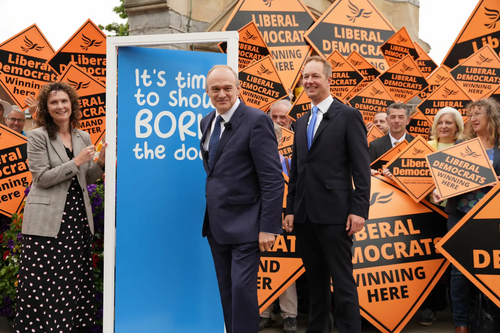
x=52, y=171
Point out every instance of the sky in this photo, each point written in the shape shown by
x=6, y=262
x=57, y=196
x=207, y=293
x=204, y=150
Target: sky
x=440, y=20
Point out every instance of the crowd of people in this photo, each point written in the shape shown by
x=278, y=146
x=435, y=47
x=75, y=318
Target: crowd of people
x=327, y=201
x=324, y=208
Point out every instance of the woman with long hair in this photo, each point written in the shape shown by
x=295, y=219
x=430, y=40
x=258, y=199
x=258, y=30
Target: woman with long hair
x=56, y=286
x=484, y=123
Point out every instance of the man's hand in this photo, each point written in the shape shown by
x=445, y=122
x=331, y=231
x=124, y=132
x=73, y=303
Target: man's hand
x=266, y=241
x=354, y=223
x=375, y=172
x=32, y=102
x=387, y=173
x=369, y=126
x=436, y=196
x=288, y=223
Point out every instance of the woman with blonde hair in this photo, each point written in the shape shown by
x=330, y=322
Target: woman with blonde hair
x=484, y=123
x=447, y=127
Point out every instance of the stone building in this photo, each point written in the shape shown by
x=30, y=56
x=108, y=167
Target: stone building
x=176, y=16
x=181, y=16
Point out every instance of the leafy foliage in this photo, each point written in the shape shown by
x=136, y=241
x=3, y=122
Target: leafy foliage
x=118, y=29
x=10, y=241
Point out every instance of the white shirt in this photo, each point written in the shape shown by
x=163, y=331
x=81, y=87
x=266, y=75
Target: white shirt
x=226, y=117
x=398, y=140
x=323, y=107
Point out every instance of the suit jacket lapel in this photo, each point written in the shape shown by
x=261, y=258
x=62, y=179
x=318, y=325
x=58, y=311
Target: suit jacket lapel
x=77, y=142
x=204, y=130
x=59, y=148
x=332, y=113
x=301, y=134
x=387, y=143
x=228, y=133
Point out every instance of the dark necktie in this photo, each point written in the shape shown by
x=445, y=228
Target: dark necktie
x=214, y=141
x=310, y=128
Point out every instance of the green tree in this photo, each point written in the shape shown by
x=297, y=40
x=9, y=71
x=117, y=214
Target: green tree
x=117, y=29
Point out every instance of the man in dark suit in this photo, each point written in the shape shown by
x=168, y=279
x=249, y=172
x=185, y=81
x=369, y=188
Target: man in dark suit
x=244, y=194
x=330, y=152
x=398, y=117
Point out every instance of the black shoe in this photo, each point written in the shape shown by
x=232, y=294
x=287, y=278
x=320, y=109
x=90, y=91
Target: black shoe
x=427, y=318
x=290, y=325
x=264, y=322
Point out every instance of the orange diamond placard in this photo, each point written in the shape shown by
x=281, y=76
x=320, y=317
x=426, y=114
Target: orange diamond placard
x=410, y=170
x=479, y=75
x=373, y=134
x=379, y=163
x=481, y=28
x=86, y=48
x=352, y=25
x=404, y=80
x=301, y=106
x=251, y=45
x=435, y=79
x=473, y=245
x=344, y=76
x=366, y=69
x=286, y=144
x=419, y=125
x=424, y=62
x=283, y=24
x=372, y=99
x=448, y=94
x=395, y=262
x=462, y=168
x=261, y=85
x=398, y=46
x=92, y=95
x=23, y=67
x=15, y=175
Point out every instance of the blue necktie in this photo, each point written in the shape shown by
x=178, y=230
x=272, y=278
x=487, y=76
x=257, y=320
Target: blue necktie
x=214, y=141
x=310, y=128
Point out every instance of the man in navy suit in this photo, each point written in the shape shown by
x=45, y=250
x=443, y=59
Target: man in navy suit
x=244, y=194
x=330, y=152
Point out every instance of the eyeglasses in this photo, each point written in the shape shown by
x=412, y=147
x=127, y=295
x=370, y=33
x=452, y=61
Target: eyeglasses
x=19, y=120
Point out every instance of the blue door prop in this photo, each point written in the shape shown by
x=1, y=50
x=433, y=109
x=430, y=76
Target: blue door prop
x=165, y=279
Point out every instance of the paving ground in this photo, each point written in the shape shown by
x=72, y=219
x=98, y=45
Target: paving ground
x=443, y=324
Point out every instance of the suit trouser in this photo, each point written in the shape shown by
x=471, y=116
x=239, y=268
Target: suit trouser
x=237, y=266
x=326, y=252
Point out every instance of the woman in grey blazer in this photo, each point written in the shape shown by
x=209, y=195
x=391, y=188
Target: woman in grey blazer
x=56, y=287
